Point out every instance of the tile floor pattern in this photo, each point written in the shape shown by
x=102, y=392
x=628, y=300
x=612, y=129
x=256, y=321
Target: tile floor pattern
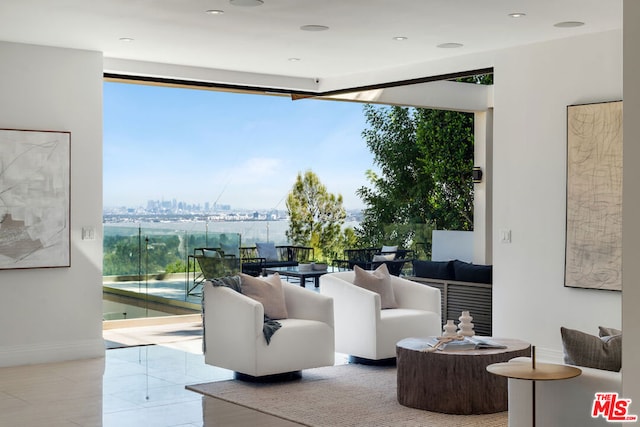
x=136, y=386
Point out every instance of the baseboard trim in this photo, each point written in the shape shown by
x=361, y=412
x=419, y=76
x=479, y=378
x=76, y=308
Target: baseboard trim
x=51, y=352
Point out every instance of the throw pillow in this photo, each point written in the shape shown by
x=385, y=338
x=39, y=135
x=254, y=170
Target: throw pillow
x=442, y=270
x=267, y=251
x=466, y=272
x=268, y=291
x=386, y=249
x=378, y=281
x=586, y=350
x=608, y=332
x=382, y=258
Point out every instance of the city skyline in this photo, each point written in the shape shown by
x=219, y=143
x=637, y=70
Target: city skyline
x=163, y=143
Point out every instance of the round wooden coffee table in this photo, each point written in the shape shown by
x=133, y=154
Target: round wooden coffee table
x=454, y=382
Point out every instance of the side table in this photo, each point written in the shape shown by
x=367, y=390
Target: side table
x=534, y=372
x=453, y=382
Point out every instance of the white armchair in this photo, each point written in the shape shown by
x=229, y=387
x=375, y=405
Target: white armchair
x=364, y=330
x=562, y=403
x=234, y=339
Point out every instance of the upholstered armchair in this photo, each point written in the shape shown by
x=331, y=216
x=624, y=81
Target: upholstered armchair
x=233, y=332
x=365, y=330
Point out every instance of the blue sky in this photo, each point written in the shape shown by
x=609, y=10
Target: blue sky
x=242, y=150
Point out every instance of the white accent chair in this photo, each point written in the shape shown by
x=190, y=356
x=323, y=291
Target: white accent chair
x=234, y=340
x=364, y=330
x=561, y=403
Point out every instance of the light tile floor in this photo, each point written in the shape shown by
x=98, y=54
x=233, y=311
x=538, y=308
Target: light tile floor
x=136, y=386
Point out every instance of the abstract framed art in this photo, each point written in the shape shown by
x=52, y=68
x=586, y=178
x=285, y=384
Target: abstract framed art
x=34, y=199
x=593, y=255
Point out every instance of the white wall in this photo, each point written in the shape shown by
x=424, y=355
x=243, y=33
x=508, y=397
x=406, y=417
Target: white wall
x=533, y=86
x=56, y=314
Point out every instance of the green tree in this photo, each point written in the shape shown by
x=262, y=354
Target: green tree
x=316, y=216
x=425, y=159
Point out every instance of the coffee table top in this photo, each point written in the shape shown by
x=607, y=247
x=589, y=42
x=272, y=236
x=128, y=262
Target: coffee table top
x=421, y=344
x=542, y=371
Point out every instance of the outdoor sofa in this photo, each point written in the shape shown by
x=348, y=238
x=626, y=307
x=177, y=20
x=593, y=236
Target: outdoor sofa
x=463, y=287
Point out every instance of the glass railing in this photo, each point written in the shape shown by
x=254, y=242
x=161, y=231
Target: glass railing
x=150, y=272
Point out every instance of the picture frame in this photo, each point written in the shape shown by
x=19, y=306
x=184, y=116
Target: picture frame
x=35, y=199
x=593, y=252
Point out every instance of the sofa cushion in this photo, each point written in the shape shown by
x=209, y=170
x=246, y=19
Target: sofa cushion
x=475, y=273
x=267, y=251
x=378, y=281
x=587, y=350
x=442, y=270
x=268, y=291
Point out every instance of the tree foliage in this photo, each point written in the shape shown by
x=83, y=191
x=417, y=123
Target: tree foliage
x=316, y=216
x=426, y=160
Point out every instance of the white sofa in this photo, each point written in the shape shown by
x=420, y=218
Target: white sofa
x=364, y=330
x=234, y=340
x=562, y=403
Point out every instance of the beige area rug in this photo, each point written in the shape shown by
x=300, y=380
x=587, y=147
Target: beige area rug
x=152, y=335
x=340, y=396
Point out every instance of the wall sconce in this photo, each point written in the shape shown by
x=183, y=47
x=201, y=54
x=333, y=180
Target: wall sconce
x=476, y=174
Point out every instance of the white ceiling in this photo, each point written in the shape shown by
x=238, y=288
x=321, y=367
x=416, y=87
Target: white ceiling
x=262, y=39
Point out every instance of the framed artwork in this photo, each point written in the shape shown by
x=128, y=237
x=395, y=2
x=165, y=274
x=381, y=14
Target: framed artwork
x=594, y=196
x=34, y=199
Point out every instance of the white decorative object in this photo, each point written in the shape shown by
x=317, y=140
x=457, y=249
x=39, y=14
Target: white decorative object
x=449, y=329
x=465, y=327
x=305, y=267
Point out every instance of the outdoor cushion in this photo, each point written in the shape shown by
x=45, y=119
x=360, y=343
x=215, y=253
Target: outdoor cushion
x=378, y=281
x=442, y=270
x=386, y=249
x=268, y=292
x=590, y=351
x=385, y=257
x=466, y=272
x=267, y=251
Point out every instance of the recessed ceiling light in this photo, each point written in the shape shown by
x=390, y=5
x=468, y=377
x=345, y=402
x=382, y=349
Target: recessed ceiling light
x=126, y=39
x=450, y=45
x=517, y=15
x=314, y=28
x=249, y=3
x=215, y=12
x=569, y=24
x=294, y=59
x=400, y=38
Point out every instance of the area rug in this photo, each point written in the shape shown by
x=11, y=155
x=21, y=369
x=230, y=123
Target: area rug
x=340, y=396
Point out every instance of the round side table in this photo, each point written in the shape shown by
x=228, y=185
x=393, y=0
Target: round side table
x=533, y=372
